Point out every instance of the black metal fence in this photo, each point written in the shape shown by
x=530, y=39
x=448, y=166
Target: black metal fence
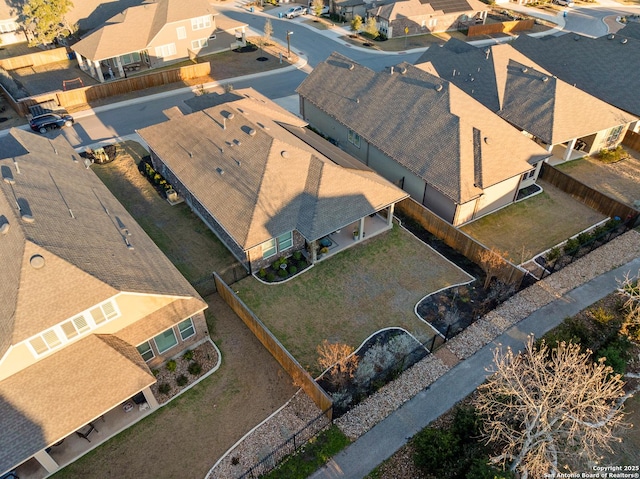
x=288, y=447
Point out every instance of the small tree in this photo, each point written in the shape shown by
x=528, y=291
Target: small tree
x=549, y=409
x=338, y=359
x=492, y=261
x=371, y=28
x=629, y=289
x=356, y=24
x=45, y=19
x=268, y=31
x=317, y=6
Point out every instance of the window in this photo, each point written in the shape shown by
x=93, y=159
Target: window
x=269, y=248
x=614, y=135
x=433, y=22
x=285, y=241
x=75, y=327
x=45, y=341
x=8, y=27
x=354, y=138
x=166, y=50
x=186, y=329
x=130, y=58
x=200, y=43
x=145, y=351
x=165, y=341
x=104, y=312
x=200, y=23
x=182, y=33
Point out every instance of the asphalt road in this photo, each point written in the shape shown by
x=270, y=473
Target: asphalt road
x=589, y=20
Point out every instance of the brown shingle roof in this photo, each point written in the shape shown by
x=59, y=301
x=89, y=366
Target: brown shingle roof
x=60, y=394
x=424, y=123
x=257, y=179
x=522, y=92
x=80, y=230
x=406, y=9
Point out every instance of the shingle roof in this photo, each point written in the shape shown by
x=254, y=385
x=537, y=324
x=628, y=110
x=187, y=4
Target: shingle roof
x=523, y=93
x=135, y=28
x=587, y=64
x=424, y=123
x=630, y=30
x=406, y=9
x=60, y=394
x=257, y=179
x=81, y=232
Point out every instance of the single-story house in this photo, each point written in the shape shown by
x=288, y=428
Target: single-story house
x=155, y=34
x=263, y=183
x=88, y=303
x=566, y=120
x=451, y=153
x=606, y=67
x=419, y=17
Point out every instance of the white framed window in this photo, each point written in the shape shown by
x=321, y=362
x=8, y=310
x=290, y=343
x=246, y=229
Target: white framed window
x=182, y=33
x=75, y=327
x=269, y=248
x=433, y=22
x=104, y=312
x=186, y=329
x=199, y=43
x=614, y=135
x=354, y=138
x=130, y=58
x=285, y=241
x=165, y=341
x=212, y=36
x=8, y=27
x=145, y=351
x=200, y=23
x=45, y=342
x=164, y=51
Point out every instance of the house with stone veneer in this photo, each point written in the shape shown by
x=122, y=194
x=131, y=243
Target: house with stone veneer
x=422, y=133
x=266, y=185
x=88, y=303
x=567, y=121
x=155, y=34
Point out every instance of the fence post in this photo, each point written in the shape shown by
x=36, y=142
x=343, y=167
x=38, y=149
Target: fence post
x=433, y=342
x=446, y=334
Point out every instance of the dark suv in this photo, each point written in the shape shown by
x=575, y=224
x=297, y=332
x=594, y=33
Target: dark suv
x=48, y=121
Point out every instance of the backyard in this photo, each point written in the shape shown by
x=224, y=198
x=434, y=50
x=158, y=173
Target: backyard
x=533, y=225
x=618, y=180
x=353, y=294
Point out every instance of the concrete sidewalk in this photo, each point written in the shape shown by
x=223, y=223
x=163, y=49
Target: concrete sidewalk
x=361, y=457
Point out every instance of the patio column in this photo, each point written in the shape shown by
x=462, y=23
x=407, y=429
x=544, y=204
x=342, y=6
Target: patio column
x=46, y=461
x=150, y=398
x=570, y=145
x=361, y=230
x=81, y=63
x=314, y=255
x=549, y=148
x=390, y=214
x=96, y=65
x=119, y=66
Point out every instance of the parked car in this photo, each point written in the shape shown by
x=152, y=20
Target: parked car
x=324, y=11
x=296, y=12
x=565, y=3
x=49, y=121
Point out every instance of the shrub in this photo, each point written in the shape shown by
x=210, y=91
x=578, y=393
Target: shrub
x=302, y=264
x=571, y=246
x=481, y=469
x=195, y=368
x=583, y=238
x=164, y=388
x=293, y=270
x=282, y=273
x=436, y=451
x=466, y=424
x=601, y=315
x=155, y=372
x=324, y=250
x=297, y=255
x=553, y=254
x=262, y=273
x=172, y=365
x=616, y=355
x=271, y=277
x=611, y=156
x=182, y=380
x=188, y=355
x=276, y=264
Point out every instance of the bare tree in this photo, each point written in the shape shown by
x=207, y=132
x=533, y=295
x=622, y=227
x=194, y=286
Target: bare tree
x=492, y=261
x=268, y=31
x=339, y=359
x=550, y=409
x=629, y=289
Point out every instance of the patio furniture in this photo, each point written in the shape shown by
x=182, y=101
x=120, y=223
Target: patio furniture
x=88, y=429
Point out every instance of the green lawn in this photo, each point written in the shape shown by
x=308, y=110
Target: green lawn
x=529, y=227
x=177, y=231
x=353, y=294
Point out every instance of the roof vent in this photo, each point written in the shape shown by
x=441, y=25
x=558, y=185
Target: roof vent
x=438, y=87
x=220, y=171
x=36, y=261
x=525, y=69
x=576, y=38
x=27, y=218
x=7, y=175
x=351, y=66
x=545, y=78
x=487, y=140
x=284, y=154
x=251, y=132
x=403, y=70
x=623, y=41
x=230, y=115
x=4, y=229
x=237, y=142
x=611, y=36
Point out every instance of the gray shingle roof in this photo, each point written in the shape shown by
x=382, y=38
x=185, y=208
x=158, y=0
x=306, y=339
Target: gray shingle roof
x=522, y=92
x=80, y=230
x=59, y=394
x=605, y=67
x=424, y=123
x=257, y=179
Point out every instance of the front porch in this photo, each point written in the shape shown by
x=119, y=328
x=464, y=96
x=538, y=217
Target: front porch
x=97, y=431
x=566, y=152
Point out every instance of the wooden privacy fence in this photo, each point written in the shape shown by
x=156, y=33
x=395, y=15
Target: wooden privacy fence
x=82, y=96
x=503, y=27
x=457, y=239
x=34, y=59
x=632, y=140
x=299, y=375
x=587, y=195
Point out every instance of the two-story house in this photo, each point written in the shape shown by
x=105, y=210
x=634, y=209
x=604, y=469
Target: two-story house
x=154, y=34
x=88, y=303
